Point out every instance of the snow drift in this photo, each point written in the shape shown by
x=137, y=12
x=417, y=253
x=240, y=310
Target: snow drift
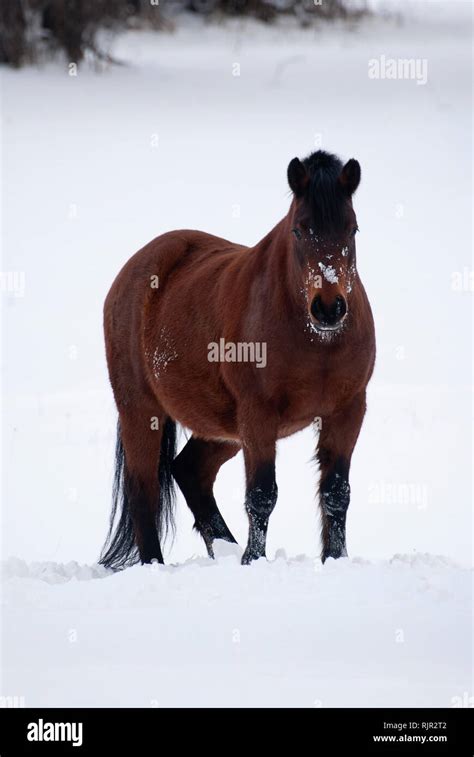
x=351, y=633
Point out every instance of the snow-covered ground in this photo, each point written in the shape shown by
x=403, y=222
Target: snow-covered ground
x=93, y=166
x=281, y=633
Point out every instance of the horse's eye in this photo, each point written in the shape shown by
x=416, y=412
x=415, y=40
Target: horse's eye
x=297, y=233
x=354, y=231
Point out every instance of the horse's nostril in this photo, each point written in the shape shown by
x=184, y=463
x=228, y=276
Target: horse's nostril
x=341, y=307
x=317, y=310
x=328, y=315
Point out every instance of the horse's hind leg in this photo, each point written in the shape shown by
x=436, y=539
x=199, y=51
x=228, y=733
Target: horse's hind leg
x=141, y=432
x=195, y=470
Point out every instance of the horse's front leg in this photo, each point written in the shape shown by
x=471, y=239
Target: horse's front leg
x=337, y=439
x=258, y=428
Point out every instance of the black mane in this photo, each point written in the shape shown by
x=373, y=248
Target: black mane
x=325, y=195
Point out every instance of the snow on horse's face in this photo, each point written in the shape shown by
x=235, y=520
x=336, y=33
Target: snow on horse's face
x=324, y=226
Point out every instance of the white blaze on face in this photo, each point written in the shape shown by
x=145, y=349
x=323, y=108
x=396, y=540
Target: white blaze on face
x=329, y=273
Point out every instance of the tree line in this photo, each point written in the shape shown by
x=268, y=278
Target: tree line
x=31, y=30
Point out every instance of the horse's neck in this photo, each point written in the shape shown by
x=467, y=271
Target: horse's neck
x=277, y=268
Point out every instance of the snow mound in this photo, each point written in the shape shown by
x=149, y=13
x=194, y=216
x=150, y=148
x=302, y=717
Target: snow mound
x=51, y=572
x=286, y=632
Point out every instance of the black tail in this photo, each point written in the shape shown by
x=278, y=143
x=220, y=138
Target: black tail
x=166, y=522
x=120, y=550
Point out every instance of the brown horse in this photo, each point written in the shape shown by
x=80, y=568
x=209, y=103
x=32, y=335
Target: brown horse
x=243, y=346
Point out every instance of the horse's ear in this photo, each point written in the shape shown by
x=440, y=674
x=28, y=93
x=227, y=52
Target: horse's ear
x=297, y=177
x=350, y=176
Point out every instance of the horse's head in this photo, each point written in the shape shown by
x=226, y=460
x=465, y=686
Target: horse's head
x=323, y=226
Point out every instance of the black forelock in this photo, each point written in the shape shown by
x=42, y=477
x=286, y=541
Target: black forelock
x=325, y=195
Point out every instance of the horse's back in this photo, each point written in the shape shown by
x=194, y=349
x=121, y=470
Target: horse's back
x=131, y=299
x=160, y=256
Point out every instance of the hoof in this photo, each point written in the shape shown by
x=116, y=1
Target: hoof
x=214, y=529
x=249, y=557
x=335, y=554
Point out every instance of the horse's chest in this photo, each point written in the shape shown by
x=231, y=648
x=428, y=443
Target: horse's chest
x=310, y=394
x=299, y=406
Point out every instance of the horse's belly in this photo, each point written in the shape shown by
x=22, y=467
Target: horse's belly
x=288, y=429
x=203, y=407
x=292, y=422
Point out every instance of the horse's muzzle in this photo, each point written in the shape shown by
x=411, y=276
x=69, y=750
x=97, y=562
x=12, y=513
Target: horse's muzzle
x=328, y=317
